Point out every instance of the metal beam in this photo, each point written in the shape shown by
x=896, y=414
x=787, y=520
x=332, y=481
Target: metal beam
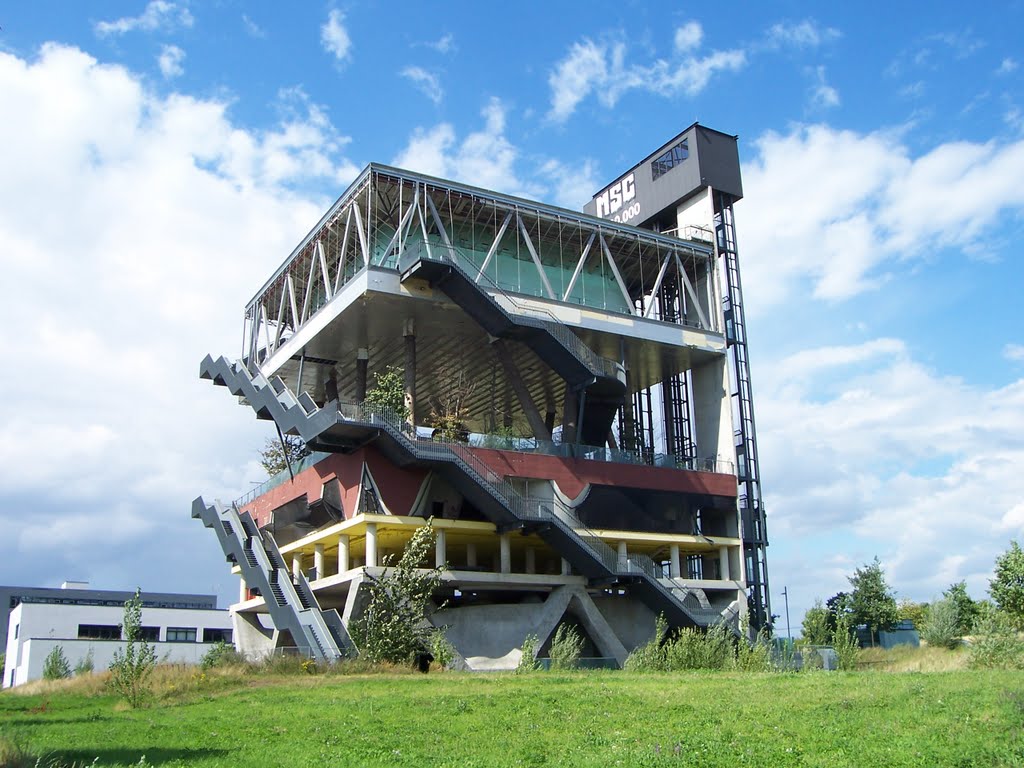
x=533, y=417
x=615, y=271
x=535, y=257
x=693, y=295
x=579, y=265
x=494, y=246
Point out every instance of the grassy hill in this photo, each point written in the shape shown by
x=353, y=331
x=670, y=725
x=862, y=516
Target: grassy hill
x=224, y=718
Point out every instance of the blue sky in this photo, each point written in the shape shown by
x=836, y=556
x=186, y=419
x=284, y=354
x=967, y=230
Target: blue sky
x=161, y=158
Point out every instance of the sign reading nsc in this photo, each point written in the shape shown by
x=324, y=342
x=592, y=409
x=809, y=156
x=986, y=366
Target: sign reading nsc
x=618, y=202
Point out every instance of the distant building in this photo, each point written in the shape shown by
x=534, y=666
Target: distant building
x=82, y=620
x=578, y=415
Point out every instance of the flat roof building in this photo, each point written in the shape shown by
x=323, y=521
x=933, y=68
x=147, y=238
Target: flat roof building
x=577, y=420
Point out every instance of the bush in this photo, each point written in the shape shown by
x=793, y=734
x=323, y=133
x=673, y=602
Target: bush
x=844, y=642
x=85, y=665
x=996, y=644
x=566, y=648
x=943, y=626
x=815, y=628
x=221, y=655
x=442, y=649
x=650, y=657
x=693, y=649
x=528, y=659
x=56, y=666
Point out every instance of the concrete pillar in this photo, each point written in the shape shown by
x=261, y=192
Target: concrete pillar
x=243, y=591
x=506, y=553
x=362, y=361
x=471, y=555
x=410, y=371
x=673, y=568
x=623, y=555
x=296, y=565
x=723, y=563
x=570, y=412
x=531, y=560
x=628, y=429
x=440, y=548
x=549, y=419
x=533, y=418
x=371, y=545
x=343, y=553
x=318, y=560
x=566, y=567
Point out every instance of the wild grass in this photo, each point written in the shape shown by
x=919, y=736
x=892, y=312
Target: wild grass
x=905, y=658
x=601, y=718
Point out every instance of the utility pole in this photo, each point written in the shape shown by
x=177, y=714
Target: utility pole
x=785, y=595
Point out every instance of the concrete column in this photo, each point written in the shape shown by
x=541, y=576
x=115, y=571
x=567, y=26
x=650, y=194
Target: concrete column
x=531, y=560
x=673, y=568
x=318, y=560
x=566, y=567
x=296, y=565
x=623, y=555
x=723, y=563
x=243, y=591
x=471, y=555
x=628, y=423
x=440, y=548
x=371, y=545
x=533, y=418
x=362, y=361
x=506, y=553
x=343, y=553
x=570, y=412
x=410, y=371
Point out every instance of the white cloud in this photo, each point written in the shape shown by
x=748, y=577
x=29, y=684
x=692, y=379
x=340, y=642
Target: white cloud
x=823, y=95
x=1014, y=352
x=833, y=207
x=136, y=227
x=254, y=29
x=334, y=36
x=601, y=69
x=158, y=15
x=426, y=82
x=1006, y=66
x=170, y=60
x=444, y=44
x=570, y=185
x=801, y=34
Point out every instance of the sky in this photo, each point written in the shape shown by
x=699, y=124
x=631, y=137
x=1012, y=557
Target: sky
x=158, y=160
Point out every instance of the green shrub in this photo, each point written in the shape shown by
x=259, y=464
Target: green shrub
x=942, y=628
x=221, y=655
x=693, y=649
x=844, y=641
x=85, y=665
x=566, y=648
x=528, y=659
x=131, y=668
x=442, y=649
x=996, y=644
x=650, y=657
x=55, y=666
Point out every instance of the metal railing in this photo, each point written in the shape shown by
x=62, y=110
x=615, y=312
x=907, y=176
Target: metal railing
x=281, y=477
x=452, y=257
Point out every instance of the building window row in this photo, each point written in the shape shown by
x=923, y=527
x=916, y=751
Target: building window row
x=670, y=159
x=152, y=634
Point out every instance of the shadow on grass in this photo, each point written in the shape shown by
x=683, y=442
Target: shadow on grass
x=154, y=756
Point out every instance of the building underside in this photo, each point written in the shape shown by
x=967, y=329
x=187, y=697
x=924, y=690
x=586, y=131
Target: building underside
x=573, y=422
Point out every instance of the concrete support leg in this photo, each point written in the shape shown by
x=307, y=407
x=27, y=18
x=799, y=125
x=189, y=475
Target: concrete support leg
x=440, y=548
x=506, y=553
x=243, y=591
x=673, y=568
x=296, y=565
x=566, y=567
x=362, y=362
x=628, y=426
x=531, y=560
x=623, y=555
x=570, y=412
x=343, y=564
x=723, y=563
x=318, y=560
x=410, y=371
x=549, y=420
x=471, y=555
x=533, y=418
x=371, y=545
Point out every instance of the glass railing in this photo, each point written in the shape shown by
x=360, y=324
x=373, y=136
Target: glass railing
x=281, y=477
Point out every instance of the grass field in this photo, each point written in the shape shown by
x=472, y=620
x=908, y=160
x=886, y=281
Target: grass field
x=952, y=718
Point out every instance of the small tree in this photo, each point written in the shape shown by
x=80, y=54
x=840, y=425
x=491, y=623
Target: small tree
x=815, y=629
x=872, y=602
x=528, y=658
x=276, y=456
x=85, y=665
x=55, y=666
x=131, y=668
x=1007, y=586
x=916, y=612
x=967, y=610
x=844, y=641
x=387, y=396
x=943, y=626
x=836, y=605
x=394, y=627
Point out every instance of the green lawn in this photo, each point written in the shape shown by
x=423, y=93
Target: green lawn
x=961, y=718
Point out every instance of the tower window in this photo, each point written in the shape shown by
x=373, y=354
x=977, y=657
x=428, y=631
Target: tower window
x=670, y=159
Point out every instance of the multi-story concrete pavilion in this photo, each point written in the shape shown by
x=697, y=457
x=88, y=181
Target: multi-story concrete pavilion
x=603, y=466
